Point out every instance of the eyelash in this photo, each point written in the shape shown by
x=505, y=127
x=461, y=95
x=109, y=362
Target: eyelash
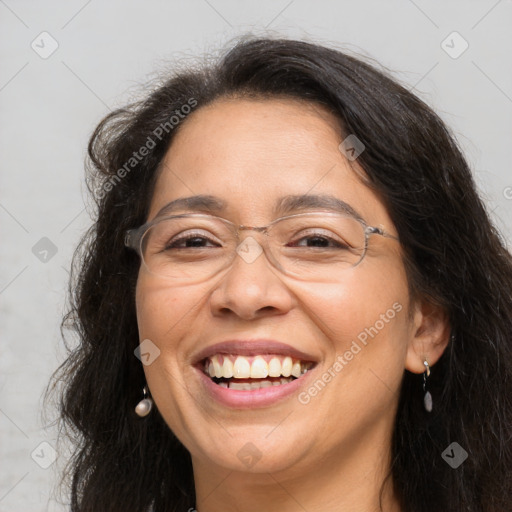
x=172, y=245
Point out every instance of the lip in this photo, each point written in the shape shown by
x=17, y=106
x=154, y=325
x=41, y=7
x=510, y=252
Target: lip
x=262, y=397
x=254, y=398
x=252, y=348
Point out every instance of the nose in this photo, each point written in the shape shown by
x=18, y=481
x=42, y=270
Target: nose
x=251, y=287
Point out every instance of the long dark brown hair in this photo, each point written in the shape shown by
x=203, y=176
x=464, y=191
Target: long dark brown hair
x=454, y=257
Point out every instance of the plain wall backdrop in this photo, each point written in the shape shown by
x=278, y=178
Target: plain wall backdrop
x=64, y=65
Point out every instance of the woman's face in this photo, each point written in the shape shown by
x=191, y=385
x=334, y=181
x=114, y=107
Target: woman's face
x=355, y=328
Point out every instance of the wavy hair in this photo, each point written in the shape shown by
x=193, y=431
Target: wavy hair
x=454, y=257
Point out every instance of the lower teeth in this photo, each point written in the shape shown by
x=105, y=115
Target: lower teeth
x=247, y=386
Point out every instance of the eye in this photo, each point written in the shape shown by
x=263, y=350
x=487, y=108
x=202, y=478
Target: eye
x=321, y=240
x=189, y=241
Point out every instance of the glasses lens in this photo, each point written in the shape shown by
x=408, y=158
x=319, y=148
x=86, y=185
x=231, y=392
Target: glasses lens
x=187, y=249
x=310, y=247
x=317, y=246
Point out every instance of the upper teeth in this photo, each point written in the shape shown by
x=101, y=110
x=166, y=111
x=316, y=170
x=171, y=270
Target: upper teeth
x=241, y=367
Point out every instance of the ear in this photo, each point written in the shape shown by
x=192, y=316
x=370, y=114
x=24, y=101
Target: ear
x=430, y=334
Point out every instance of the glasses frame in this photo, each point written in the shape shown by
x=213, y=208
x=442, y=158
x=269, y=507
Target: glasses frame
x=133, y=237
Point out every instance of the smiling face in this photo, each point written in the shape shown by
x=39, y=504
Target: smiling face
x=355, y=329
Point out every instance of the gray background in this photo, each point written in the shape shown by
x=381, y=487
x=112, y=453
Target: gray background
x=106, y=51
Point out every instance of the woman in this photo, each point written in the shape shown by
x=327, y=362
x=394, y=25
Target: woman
x=292, y=299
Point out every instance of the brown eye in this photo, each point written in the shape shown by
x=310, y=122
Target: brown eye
x=190, y=241
x=321, y=241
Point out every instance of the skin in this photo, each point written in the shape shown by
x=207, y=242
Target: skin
x=333, y=453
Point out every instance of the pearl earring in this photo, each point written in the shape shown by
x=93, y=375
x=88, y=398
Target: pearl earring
x=427, y=399
x=144, y=407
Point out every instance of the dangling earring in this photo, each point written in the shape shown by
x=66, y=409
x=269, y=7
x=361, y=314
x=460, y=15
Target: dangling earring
x=144, y=407
x=427, y=399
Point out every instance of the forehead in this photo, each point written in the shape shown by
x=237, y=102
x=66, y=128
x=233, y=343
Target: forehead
x=252, y=153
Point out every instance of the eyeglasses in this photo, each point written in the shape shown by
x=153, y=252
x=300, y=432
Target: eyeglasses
x=191, y=248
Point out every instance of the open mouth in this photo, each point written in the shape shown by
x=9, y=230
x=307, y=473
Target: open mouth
x=253, y=372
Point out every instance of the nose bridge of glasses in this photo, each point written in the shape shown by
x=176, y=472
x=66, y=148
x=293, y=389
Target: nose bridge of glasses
x=249, y=248
x=237, y=229
x=260, y=229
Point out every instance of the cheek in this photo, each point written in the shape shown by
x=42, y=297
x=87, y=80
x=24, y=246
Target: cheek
x=364, y=319
x=160, y=307
x=364, y=297
x=169, y=316
x=163, y=318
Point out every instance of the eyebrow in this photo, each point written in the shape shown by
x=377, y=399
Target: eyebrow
x=310, y=202
x=285, y=205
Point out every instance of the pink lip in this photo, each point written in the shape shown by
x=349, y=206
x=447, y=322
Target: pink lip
x=253, y=398
x=252, y=348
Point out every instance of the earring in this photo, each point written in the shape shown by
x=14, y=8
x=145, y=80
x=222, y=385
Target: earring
x=427, y=399
x=144, y=407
